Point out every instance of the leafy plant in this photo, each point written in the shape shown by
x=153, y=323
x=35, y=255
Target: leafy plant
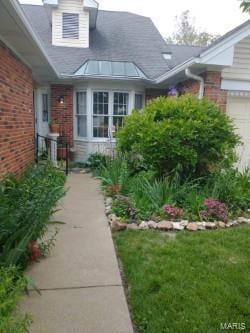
x=12, y=285
x=214, y=209
x=123, y=207
x=185, y=133
x=232, y=187
x=96, y=161
x=25, y=207
x=172, y=212
x=115, y=172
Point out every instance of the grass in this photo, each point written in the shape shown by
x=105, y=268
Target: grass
x=189, y=284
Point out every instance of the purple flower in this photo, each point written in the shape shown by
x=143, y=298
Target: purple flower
x=214, y=209
x=172, y=212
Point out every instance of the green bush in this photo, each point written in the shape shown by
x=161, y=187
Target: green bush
x=96, y=161
x=183, y=134
x=11, y=289
x=115, y=172
x=25, y=207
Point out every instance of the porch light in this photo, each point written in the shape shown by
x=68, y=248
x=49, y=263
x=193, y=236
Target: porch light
x=61, y=99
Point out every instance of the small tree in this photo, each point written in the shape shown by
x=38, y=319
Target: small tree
x=185, y=133
x=245, y=6
x=187, y=34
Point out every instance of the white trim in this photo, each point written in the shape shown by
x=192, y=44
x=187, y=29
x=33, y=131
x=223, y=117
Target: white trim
x=235, y=85
x=220, y=54
x=16, y=6
x=75, y=114
x=238, y=94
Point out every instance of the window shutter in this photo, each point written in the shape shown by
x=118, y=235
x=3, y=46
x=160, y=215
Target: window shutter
x=70, y=25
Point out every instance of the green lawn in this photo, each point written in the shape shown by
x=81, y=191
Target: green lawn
x=188, y=284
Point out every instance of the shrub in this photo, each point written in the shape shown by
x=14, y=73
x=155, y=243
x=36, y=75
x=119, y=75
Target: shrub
x=214, y=209
x=123, y=207
x=182, y=133
x=115, y=172
x=96, y=161
x=25, y=207
x=11, y=289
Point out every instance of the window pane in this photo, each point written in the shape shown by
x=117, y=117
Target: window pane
x=45, y=108
x=138, y=101
x=100, y=126
x=120, y=106
x=81, y=102
x=118, y=122
x=100, y=103
x=82, y=126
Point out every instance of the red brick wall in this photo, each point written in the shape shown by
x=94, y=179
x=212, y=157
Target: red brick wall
x=212, y=88
x=63, y=113
x=16, y=114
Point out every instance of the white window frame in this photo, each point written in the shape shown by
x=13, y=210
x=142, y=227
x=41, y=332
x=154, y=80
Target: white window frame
x=76, y=115
x=110, y=111
x=143, y=99
x=93, y=115
x=129, y=109
x=75, y=124
x=90, y=91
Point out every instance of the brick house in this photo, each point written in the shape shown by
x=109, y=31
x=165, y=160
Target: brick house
x=86, y=69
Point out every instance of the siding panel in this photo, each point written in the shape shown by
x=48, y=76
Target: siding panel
x=241, y=64
x=74, y=7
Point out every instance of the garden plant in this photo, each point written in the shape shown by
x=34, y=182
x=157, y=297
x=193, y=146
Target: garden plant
x=26, y=204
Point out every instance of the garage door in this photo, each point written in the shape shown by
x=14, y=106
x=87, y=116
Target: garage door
x=238, y=109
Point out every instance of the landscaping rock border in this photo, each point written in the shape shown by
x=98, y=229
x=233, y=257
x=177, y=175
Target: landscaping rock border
x=165, y=225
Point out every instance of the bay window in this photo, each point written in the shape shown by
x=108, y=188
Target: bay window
x=120, y=109
x=109, y=110
x=81, y=113
x=100, y=114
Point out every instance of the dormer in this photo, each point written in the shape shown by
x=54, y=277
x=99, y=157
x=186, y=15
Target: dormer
x=71, y=21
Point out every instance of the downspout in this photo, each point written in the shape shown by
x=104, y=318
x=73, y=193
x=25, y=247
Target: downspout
x=190, y=75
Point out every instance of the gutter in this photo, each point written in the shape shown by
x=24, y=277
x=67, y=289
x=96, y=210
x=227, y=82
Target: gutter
x=190, y=75
x=100, y=77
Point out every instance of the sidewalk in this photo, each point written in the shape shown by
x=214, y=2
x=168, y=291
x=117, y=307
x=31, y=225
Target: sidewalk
x=80, y=281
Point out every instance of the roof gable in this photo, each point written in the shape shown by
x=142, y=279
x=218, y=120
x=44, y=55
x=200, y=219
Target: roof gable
x=119, y=36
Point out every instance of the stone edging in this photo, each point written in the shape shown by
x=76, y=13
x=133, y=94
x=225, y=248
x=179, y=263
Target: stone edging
x=164, y=225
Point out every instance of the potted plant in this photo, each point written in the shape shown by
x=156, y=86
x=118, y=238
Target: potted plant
x=62, y=149
x=54, y=126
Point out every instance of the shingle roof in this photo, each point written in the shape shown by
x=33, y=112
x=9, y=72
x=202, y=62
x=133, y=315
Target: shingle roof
x=181, y=53
x=119, y=36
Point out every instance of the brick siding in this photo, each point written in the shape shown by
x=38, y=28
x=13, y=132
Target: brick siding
x=16, y=114
x=212, y=89
x=63, y=113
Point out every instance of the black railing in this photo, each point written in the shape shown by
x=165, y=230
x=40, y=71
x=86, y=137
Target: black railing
x=57, y=151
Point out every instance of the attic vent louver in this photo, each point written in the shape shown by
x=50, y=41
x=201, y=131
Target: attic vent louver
x=70, y=25
x=167, y=56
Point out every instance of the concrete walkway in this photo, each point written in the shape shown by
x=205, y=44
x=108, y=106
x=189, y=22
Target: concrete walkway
x=80, y=281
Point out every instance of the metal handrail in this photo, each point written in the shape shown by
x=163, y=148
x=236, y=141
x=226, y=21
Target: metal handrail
x=46, y=146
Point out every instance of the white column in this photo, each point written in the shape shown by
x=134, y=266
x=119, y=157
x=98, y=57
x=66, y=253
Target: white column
x=53, y=148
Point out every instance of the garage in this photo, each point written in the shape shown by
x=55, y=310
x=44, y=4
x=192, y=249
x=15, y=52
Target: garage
x=238, y=108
